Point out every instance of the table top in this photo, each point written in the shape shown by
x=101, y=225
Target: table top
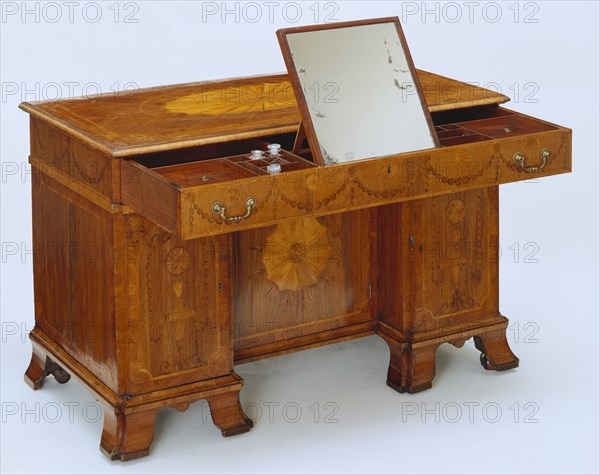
x=173, y=117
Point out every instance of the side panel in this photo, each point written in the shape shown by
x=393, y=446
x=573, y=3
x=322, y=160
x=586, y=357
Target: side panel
x=396, y=249
x=73, y=276
x=70, y=158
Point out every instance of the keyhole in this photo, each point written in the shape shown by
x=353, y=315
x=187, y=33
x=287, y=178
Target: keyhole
x=411, y=241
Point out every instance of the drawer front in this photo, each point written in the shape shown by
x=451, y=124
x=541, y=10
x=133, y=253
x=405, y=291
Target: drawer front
x=326, y=190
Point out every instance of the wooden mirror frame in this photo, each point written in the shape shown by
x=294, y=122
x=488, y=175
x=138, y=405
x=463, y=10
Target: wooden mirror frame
x=307, y=123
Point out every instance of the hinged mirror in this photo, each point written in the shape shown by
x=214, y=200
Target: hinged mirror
x=357, y=90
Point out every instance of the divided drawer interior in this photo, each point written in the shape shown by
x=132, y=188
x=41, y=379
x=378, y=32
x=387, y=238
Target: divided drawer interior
x=453, y=129
x=230, y=161
x=228, y=169
x=227, y=161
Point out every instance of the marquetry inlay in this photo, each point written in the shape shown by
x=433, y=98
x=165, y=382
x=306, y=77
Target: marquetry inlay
x=296, y=253
x=235, y=99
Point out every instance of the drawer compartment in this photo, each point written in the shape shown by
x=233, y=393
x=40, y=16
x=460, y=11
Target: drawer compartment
x=220, y=195
x=502, y=125
x=200, y=173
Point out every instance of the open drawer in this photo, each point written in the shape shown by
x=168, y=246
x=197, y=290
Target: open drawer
x=194, y=193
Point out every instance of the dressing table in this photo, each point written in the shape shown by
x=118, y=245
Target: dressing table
x=165, y=253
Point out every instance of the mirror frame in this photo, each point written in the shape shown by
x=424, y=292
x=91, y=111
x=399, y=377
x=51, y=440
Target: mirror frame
x=307, y=122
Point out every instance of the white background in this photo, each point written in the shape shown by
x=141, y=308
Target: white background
x=550, y=50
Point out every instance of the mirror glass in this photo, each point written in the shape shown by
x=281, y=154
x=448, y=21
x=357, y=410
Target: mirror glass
x=357, y=90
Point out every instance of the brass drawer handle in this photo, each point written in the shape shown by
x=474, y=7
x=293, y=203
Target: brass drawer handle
x=218, y=208
x=520, y=160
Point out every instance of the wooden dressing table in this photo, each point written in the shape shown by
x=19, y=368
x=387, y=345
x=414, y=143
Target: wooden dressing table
x=163, y=255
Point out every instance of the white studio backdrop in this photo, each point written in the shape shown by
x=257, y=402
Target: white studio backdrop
x=329, y=410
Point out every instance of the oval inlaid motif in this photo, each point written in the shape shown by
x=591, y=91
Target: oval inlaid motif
x=235, y=99
x=455, y=211
x=177, y=260
x=296, y=254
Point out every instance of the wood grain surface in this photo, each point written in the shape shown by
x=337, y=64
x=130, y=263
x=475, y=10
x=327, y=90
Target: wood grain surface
x=172, y=117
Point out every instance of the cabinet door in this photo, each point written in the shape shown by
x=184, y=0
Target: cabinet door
x=178, y=317
x=301, y=282
x=455, y=250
